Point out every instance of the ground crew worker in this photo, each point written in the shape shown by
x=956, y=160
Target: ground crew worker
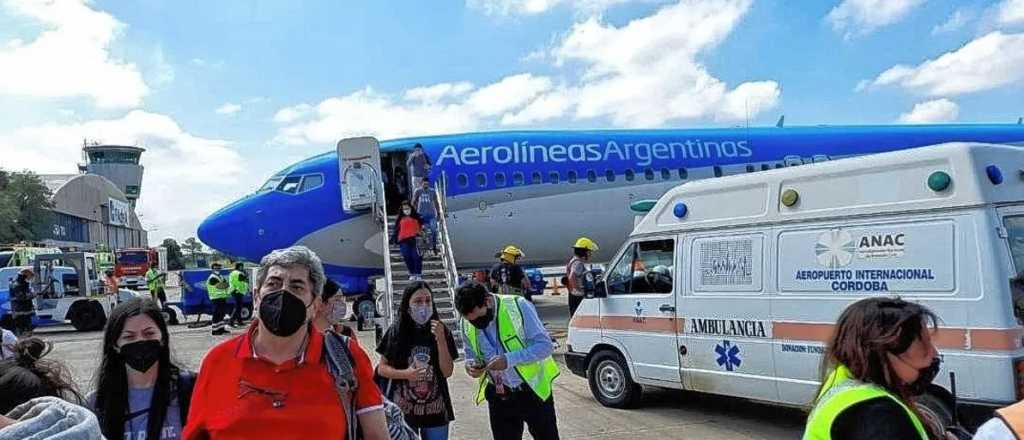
x=509, y=350
x=578, y=276
x=23, y=306
x=217, y=288
x=506, y=277
x=1008, y=424
x=879, y=358
x=238, y=286
x=110, y=283
x=155, y=282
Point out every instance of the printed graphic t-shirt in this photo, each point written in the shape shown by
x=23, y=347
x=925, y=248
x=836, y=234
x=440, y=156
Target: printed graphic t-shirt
x=425, y=403
x=138, y=415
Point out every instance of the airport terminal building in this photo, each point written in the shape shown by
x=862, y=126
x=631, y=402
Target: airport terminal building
x=90, y=210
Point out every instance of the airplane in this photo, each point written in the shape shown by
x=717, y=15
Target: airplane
x=539, y=190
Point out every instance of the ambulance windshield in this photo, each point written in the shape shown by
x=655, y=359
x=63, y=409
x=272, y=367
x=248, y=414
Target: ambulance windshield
x=1015, y=235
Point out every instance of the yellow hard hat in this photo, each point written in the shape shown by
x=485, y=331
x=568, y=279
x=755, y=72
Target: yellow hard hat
x=512, y=250
x=585, y=243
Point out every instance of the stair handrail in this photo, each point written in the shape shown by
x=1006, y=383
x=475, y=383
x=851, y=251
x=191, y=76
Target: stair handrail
x=451, y=272
x=380, y=214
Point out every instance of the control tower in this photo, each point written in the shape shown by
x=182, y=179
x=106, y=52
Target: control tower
x=118, y=163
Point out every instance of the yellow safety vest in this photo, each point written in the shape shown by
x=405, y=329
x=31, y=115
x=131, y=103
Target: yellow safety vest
x=153, y=280
x=215, y=290
x=840, y=392
x=236, y=284
x=537, y=375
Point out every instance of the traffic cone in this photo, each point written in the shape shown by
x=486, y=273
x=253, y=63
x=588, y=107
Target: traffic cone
x=556, y=289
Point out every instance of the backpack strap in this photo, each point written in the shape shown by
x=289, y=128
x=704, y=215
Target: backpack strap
x=339, y=363
x=186, y=383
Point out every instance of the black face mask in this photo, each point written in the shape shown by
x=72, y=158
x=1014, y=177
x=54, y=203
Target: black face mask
x=282, y=313
x=925, y=376
x=141, y=355
x=483, y=321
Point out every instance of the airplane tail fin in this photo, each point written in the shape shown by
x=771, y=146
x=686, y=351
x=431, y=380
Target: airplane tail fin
x=1020, y=121
x=782, y=121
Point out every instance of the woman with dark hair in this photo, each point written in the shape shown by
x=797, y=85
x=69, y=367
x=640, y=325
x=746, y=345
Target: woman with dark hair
x=138, y=388
x=332, y=310
x=407, y=229
x=417, y=357
x=27, y=376
x=880, y=357
x=38, y=398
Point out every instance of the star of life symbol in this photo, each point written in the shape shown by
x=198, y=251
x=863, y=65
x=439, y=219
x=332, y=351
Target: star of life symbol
x=835, y=248
x=728, y=355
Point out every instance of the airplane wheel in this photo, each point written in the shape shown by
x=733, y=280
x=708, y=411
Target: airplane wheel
x=87, y=316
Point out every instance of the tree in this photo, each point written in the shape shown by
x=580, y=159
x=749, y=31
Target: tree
x=24, y=207
x=174, y=257
x=193, y=246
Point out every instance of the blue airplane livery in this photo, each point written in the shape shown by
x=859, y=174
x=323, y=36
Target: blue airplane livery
x=539, y=190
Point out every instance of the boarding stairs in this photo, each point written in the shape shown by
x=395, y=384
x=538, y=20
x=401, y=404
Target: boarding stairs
x=439, y=271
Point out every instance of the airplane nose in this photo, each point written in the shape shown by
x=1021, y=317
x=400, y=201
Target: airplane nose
x=225, y=231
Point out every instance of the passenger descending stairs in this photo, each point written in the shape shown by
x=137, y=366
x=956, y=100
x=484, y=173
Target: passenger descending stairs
x=439, y=272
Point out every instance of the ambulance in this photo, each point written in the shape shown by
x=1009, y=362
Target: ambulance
x=732, y=286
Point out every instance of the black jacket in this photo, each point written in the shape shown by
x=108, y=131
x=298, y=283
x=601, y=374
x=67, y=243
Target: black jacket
x=21, y=295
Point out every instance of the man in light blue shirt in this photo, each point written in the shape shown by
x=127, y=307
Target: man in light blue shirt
x=511, y=402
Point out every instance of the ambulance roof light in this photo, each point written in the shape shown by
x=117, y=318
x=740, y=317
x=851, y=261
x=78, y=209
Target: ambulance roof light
x=995, y=175
x=680, y=210
x=939, y=181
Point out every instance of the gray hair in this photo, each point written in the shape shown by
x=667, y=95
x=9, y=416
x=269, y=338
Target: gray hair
x=290, y=257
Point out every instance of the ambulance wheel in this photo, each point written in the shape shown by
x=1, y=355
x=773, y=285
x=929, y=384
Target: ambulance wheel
x=610, y=382
x=933, y=407
x=246, y=312
x=87, y=316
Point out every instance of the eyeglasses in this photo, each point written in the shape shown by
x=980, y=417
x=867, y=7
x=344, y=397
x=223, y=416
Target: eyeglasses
x=277, y=398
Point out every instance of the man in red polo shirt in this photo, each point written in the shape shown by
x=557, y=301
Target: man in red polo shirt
x=271, y=382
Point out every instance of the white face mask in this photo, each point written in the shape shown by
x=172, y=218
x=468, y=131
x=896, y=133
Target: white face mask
x=407, y=211
x=339, y=311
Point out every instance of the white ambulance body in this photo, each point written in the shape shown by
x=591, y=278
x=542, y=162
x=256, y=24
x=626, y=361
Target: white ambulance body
x=733, y=285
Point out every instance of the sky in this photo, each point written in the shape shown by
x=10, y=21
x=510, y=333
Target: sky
x=223, y=94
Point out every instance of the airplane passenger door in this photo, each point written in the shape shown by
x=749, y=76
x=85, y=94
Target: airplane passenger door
x=640, y=310
x=360, y=174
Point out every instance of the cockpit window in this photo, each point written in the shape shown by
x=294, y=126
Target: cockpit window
x=312, y=181
x=270, y=185
x=290, y=184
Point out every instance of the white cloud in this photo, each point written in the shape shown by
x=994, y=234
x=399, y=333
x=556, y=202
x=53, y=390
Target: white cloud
x=934, y=111
x=854, y=18
x=647, y=72
x=955, y=22
x=533, y=7
x=181, y=169
x=988, y=62
x=292, y=114
x=71, y=57
x=545, y=107
x=507, y=94
x=1011, y=12
x=229, y=108
x=438, y=92
x=643, y=74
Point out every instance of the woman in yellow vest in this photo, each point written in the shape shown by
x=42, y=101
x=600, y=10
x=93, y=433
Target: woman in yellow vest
x=880, y=357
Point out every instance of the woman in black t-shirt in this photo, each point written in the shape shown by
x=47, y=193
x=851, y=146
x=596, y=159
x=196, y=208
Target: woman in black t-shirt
x=417, y=358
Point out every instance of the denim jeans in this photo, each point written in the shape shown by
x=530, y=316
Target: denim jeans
x=430, y=224
x=413, y=262
x=434, y=433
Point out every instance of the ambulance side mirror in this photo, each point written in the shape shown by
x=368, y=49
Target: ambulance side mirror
x=600, y=290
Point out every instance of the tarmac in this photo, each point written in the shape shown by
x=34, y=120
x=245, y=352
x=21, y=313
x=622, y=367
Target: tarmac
x=663, y=414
